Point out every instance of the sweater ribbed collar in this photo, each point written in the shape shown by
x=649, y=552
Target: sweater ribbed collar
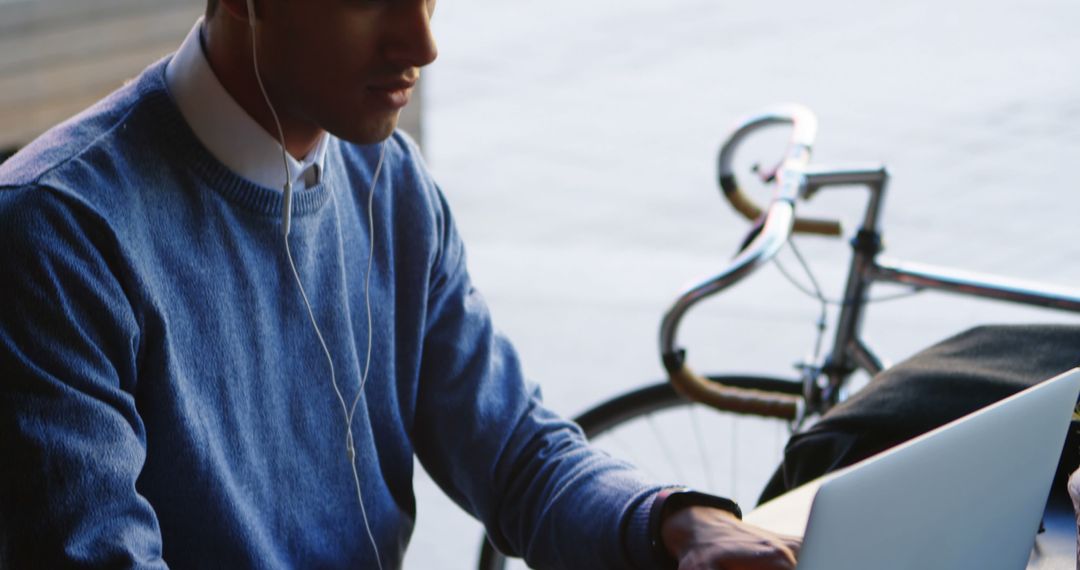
x=190, y=152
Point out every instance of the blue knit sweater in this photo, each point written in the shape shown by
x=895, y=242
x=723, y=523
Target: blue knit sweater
x=163, y=398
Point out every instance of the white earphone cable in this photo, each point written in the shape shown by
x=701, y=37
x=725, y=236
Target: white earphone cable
x=367, y=276
x=348, y=412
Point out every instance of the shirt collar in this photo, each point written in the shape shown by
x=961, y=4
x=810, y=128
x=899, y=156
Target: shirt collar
x=226, y=130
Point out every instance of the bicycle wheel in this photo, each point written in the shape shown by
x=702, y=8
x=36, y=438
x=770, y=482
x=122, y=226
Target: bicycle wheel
x=677, y=441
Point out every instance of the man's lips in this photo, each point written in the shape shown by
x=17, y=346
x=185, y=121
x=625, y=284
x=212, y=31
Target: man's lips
x=393, y=93
x=393, y=85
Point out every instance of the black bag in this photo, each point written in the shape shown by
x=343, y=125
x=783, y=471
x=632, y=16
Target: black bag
x=944, y=382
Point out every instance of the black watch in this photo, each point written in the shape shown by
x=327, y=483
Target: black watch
x=672, y=499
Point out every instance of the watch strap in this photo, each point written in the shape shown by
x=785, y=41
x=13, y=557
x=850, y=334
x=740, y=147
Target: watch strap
x=672, y=499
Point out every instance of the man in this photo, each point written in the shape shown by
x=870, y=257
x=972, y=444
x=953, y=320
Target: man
x=187, y=382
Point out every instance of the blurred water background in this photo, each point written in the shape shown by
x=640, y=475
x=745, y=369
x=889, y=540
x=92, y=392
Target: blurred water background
x=576, y=142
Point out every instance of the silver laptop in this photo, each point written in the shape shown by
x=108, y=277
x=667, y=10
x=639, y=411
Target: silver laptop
x=969, y=494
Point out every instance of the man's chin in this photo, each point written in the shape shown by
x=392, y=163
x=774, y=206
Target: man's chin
x=367, y=132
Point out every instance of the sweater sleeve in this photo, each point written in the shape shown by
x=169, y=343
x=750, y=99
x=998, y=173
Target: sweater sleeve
x=71, y=442
x=486, y=438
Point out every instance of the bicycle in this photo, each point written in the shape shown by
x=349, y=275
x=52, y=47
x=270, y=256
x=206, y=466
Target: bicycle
x=823, y=381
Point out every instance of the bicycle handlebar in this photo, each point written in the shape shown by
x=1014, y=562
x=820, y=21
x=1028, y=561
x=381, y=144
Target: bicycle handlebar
x=777, y=228
x=778, y=223
x=804, y=131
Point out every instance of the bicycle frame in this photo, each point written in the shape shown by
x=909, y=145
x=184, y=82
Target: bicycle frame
x=849, y=352
x=797, y=179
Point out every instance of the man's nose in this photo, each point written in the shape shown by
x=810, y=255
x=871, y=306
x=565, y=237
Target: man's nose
x=411, y=43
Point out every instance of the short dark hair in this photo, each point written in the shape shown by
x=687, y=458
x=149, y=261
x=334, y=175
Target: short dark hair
x=211, y=7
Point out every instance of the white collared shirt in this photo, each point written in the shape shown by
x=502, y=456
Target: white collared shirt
x=226, y=129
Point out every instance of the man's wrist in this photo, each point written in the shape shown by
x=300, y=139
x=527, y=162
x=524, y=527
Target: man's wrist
x=670, y=500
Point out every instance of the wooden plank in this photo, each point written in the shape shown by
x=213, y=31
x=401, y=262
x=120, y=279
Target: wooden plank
x=26, y=88
x=95, y=38
x=30, y=16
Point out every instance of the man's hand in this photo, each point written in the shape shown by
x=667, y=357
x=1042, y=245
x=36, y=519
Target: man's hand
x=703, y=538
